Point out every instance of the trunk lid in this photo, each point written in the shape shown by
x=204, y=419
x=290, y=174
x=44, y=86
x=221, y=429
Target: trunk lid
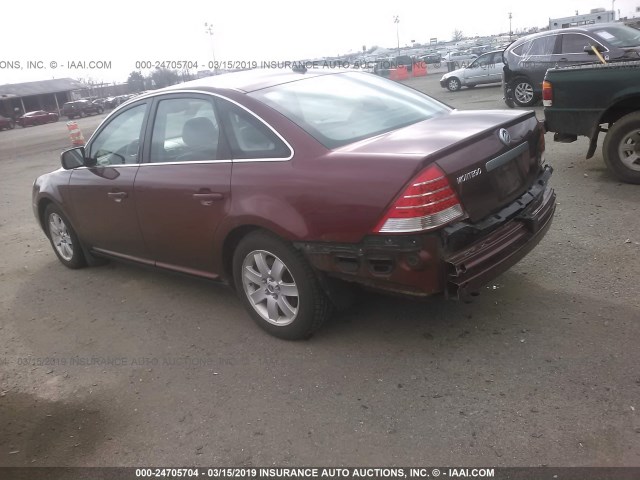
x=485, y=167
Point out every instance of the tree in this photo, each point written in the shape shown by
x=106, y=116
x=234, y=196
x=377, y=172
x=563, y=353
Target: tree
x=163, y=77
x=457, y=35
x=136, y=82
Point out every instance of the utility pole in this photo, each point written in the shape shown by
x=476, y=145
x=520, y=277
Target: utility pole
x=396, y=20
x=613, y=8
x=510, y=30
x=208, y=29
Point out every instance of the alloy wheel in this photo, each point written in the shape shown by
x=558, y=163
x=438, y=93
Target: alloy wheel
x=60, y=236
x=270, y=287
x=523, y=92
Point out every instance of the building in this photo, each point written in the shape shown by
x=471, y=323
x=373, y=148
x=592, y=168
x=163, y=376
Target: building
x=47, y=95
x=597, y=15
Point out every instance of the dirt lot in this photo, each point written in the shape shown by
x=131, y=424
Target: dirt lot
x=124, y=366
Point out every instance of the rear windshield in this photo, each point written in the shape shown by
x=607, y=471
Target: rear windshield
x=344, y=108
x=620, y=36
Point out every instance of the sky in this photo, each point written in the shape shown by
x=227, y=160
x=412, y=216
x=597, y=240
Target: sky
x=58, y=39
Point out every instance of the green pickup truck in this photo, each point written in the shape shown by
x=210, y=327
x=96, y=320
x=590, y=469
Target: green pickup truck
x=589, y=99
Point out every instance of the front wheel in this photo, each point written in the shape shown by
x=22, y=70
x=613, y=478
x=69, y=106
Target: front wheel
x=523, y=94
x=621, y=148
x=453, y=84
x=278, y=287
x=63, y=238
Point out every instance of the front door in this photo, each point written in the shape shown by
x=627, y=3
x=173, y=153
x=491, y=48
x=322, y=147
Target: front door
x=103, y=202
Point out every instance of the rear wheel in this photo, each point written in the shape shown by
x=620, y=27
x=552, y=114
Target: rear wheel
x=523, y=94
x=278, y=287
x=63, y=238
x=621, y=148
x=453, y=84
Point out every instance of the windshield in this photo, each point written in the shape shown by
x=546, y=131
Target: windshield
x=620, y=36
x=344, y=108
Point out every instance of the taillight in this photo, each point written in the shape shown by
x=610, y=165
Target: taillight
x=547, y=94
x=428, y=202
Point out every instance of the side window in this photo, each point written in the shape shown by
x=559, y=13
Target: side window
x=483, y=61
x=119, y=142
x=572, y=43
x=249, y=137
x=541, y=46
x=185, y=130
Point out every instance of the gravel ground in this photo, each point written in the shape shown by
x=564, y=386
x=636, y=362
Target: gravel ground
x=124, y=366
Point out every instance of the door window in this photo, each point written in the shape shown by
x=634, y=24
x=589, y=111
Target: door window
x=541, y=46
x=185, y=130
x=119, y=142
x=572, y=43
x=249, y=137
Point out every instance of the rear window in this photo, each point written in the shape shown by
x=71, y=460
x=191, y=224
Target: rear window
x=343, y=108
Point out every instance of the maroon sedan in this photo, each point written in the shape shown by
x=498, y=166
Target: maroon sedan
x=287, y=184
x=38, y=117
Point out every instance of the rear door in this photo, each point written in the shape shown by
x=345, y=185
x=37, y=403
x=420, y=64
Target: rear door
x=183, y=188
x=495, y=67
x=537, y=56
x=572, y=49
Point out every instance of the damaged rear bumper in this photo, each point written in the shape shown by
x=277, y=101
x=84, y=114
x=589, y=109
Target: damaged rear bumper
x=456, y=260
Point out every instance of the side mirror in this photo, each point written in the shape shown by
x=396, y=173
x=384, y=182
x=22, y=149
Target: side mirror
x=74, y=158
x=588, y=49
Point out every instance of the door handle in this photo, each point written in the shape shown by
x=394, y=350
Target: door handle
x=207, y=199
x=118, y=196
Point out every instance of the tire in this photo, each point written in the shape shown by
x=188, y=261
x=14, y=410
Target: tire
x=523, y=94
x=63, y=238
x=12, y=125
x=453, y=84
x=621, y=148
x=263, y=266
x=100, y=110
x=82, y=114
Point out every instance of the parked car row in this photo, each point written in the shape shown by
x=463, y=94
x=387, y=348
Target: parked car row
x=523, y=64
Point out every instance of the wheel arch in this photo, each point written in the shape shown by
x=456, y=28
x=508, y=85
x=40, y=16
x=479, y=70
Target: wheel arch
x=43, y=203
x=230, y=243
x=622, y=106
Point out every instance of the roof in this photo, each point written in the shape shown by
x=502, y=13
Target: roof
x=40, y=87
x=578, y=29
x=251, y=80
